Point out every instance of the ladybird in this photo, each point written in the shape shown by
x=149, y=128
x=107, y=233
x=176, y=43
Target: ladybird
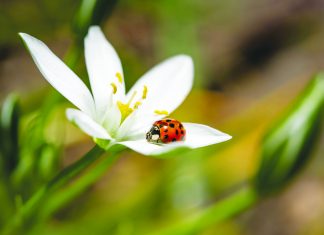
x=165, y=131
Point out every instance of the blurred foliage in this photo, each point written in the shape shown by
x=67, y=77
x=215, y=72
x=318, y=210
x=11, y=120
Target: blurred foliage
x=34, y=16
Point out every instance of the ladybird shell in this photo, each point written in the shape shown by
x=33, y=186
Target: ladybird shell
x=171, y=130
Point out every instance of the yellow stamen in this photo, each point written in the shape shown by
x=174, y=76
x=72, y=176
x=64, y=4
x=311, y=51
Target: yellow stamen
x=120, y=78
x=137, y=104
x=125, y=110
x=144, y=92
x=161, y=112
x=114, y=87
x=132, y=97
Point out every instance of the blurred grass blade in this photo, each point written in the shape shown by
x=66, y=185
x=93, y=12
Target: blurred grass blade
x=9, y=133
x=91, y=12
x=288, y=144
x=9, y=122
x=48, y=162
x=214, y=214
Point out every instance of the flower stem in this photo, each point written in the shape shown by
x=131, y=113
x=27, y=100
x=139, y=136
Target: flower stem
x=28, y=210
x=66, y=195
x=225, y=209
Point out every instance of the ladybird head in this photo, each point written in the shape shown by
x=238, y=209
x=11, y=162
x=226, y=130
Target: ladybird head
x=153, y=135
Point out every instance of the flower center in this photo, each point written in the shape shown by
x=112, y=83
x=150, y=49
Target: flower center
x=127, y=108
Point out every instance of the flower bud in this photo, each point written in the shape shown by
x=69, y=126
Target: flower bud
x=288, y=145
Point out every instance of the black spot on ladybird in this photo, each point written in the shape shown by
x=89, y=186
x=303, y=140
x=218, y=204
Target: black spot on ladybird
x=177, y=132
x=168, y=120
x=165, y=130
x=174, y=139
x=166, y=136
x=171, y=125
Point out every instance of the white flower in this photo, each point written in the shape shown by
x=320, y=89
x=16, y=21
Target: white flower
x=110, y=114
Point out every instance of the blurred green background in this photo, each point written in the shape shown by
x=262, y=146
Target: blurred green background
x=252, y=59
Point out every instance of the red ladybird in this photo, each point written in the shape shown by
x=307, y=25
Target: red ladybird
x=165, y=131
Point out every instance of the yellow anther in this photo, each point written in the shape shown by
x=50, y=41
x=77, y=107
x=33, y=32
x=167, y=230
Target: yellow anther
x=120, y=77
x=144, y=92
x=137, y=104
x=114, y=87
x=161, y=112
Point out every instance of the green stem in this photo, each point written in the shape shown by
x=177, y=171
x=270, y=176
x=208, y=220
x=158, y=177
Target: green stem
x=73, y=55
x=67, y=194
x=225, y=209
x=28, y=210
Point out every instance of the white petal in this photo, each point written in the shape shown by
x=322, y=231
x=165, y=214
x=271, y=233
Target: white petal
x=143, y=147
x=168, y=84
x=112, y=120
x=198, y=135
x=88, y=125
x=125, y=130
x=59, y=75
x=103, y=64
x=135, y=125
